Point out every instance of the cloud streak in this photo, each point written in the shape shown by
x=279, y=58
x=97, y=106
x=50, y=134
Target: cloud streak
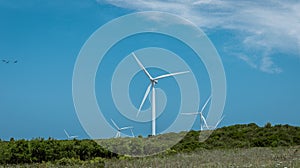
x=266, y=27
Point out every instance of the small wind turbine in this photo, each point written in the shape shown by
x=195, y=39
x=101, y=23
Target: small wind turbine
x=202, y=119
x=153, y=82
x=121, y=129
x=70, y=137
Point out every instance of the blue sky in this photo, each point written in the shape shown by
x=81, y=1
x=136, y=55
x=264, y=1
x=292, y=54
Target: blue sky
x=258, y=42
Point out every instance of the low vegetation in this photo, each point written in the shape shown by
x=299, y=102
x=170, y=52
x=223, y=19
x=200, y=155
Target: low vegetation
x=238, y=157
x=252, y=145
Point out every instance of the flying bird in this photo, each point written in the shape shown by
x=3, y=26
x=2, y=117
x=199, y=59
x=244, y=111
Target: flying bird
x=5, y=61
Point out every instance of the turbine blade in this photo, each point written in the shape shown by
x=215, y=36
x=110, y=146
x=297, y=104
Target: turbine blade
x=124, y=128
x=67, y=133
x=204, y=120
x=171, y=74
x=205, y=104
x=218, y=122
x=115, y=124
x=145, y=96
x=190, y=113
x=141, y=66
x=132, y=132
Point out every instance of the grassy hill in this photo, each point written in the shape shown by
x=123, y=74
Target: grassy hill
x=231, y=140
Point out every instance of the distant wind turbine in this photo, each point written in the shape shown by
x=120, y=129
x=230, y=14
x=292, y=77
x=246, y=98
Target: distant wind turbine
x=121, y=129
x=202, y=119
x=153, y=82
x=70, y=137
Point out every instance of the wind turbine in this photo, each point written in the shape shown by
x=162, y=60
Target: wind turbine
x=202, y=119
x=121, y=129
x=153, y=82
x=70, y=137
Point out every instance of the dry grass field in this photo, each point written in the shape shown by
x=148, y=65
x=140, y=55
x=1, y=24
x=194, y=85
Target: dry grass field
x=280, y=157
x=252, y=157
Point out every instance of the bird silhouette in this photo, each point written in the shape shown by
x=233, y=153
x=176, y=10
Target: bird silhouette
x=5, y=61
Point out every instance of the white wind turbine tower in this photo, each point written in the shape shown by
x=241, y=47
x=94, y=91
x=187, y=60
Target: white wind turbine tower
x=70, y=137
x=151, y=86
x=202, y=119
x=121, y=129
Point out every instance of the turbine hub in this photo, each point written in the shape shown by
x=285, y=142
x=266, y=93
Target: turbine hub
x=154, y=81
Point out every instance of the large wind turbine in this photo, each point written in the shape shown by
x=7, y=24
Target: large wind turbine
x=121, y=129
x=70, y=137
x=153, y=82
x=202, y=119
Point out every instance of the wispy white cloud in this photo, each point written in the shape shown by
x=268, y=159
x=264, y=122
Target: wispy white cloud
x=267, y=65
x=265, y=26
